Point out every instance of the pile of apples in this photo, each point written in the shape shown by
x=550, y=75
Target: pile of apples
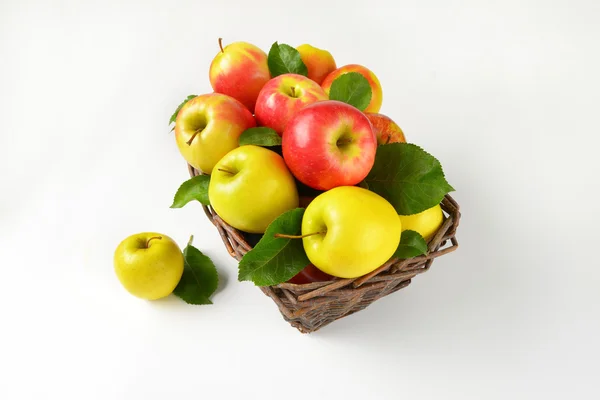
x=327, y=148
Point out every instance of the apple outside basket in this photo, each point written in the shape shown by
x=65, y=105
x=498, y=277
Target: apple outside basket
x=309, y=307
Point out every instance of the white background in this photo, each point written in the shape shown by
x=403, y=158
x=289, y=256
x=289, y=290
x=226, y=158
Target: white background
x=504, y=93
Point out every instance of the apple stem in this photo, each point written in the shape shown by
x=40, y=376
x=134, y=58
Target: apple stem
x=191, y=240
x=388, y=139
x=284, y=236
x=221, y=45
x=226, y=171
x=153, y=237
x=293, y=89
x=189, y=142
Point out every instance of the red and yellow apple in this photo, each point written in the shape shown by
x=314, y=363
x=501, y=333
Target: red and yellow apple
x=386, y=130
x=310, y=274
x=318, y=62
x=239, y=70
x=376, y=91
x=282, y=97
x=329, y=144
x=208, y=127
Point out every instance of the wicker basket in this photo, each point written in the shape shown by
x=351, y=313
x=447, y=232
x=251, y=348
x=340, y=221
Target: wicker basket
x=311, y=306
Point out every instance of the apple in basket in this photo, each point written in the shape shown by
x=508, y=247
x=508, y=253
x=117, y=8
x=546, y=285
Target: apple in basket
x=208, y=127
x=349, y=231
x=282, y=97
x=250, y=187
x=329, y=143
x=239, y=70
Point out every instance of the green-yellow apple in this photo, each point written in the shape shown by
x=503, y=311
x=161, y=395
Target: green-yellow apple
x=282, y=97
x=426, y=223
x=386, y=130
x=208, y=127
x=149, y=265
x=319, y=62
x=349, y=231
x=250, y=187
x=329, y=144
x=376, y=91
x=239, y=70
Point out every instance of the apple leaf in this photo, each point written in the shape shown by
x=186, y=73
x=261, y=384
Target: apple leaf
x=411, y=245
x=351, y=88
x=260, y=136
x=200, y=278
x=284, y=59
x=174, y=116
x=195, y=188
x=276, y=260
x=411, y=179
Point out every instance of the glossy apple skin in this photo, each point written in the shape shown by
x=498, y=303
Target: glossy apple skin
x=362, y=231
x=240, y=71
x=261, y=188
x=426, y=223
x=386, y=130
x=376, y=91
x=310, y=274
x=329, y=144
x=223, y=120
x=148, y=269
x=319, y=63
x=277, y=102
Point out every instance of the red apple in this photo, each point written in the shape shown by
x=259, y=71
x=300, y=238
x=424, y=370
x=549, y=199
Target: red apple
x=239, y=70
x=329, y=144
x=386, y=130
x=310, y=274
x=282, y=97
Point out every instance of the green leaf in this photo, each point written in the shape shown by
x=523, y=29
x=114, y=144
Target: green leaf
x=195, y=188
x=284, y=59
x=411, y=179
x=200, y=278
x=411, y=245
x=275, y=260
x=351, y=88
x=174, y=116
x=260, y=136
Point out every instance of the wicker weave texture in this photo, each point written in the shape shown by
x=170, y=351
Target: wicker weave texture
x=311, y=306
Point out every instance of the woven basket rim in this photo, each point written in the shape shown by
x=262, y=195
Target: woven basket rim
x=447, y=232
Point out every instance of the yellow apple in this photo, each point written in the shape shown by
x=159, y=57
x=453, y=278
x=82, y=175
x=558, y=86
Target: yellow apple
x=319, y=63
x=426, y=223
x=149, y=265
x=250, y=187
x=208, y=127
x=350, y=231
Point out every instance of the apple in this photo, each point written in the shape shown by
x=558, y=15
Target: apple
x=329, y=144
x=282, y=97
x=426, y=223
x=349, y=231
x=318, y=62
x=208, y=127
x=149, y=265
x=386, y=130
x=310, y=274
x=376, y=91
x=239, y=70
x=250, y=187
